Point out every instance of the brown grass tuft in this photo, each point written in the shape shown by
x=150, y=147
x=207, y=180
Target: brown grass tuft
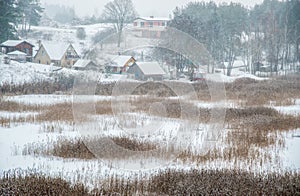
x=35, y=184
x=133, y=144
x=12, y=106
x=71, y=149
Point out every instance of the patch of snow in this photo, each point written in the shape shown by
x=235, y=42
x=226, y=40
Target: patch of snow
x=290, y=154
x=11, y=115
x=54, y=99
x=20, y=73
x=219, y=77
x=288, y=110
x=222, y=104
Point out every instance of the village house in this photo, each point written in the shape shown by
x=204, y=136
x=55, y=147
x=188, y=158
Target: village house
x=119, y=64
x=10, y=46
x=146, y=71
x=84, y=65
x=152, y=27
x=63, y=55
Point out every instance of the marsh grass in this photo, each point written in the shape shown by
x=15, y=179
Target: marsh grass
x=77, y=148
x=224, y=182
x=168, y=182
x=133, y=144
x=57, y=112
x=249, y=128
x=251, y=133
x=71, y=149
x=11, y=106
x=257, y=93
x=36, y=184
x=8, y=122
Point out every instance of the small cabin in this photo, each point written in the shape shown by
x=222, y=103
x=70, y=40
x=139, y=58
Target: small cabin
x=147, y=71
x=17, y=56
x=84, y=65
x=119, y=64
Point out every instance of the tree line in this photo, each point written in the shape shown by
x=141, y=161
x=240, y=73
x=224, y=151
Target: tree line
x=268, y=32
x=18, y=12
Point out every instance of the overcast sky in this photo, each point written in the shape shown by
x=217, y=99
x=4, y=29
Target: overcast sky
x=157, y=8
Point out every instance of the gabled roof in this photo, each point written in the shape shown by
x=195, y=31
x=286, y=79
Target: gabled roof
x=82, y=63
x=154, y=18
x=150, y=68
x=119, y=60
x=13, y=43
x=55, y=50
x=17, y=52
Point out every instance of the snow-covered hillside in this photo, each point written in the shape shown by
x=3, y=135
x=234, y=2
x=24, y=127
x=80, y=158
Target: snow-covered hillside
x=19, y=73
x=65, y=34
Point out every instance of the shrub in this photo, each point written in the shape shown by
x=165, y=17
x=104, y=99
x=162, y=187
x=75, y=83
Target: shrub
x=80, y=33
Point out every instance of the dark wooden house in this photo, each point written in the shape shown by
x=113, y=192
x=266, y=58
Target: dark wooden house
x=18, y=45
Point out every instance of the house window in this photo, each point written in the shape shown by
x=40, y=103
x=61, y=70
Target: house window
x=135, y=24
x=142, y=24
x=163, y=24
x=27, y=51
x=151, y=24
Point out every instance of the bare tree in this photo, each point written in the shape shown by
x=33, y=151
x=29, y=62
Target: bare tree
x=119, y=12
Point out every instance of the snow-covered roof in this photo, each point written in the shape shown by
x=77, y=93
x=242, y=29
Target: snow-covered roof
x=17, y=52
x=151, y=68
x=236, y=63
x=82, y=63
x=55, y=50
x=13, y=43
x=154, y=18
x=119, y=60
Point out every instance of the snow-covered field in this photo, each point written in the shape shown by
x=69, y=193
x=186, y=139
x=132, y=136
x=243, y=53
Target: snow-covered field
x=20, y=73
x=14, y=140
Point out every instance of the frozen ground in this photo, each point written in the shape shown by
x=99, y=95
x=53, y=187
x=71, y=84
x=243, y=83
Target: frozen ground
x=44, y=100
x=291, y=109
x=13, y=140
x=290, y=154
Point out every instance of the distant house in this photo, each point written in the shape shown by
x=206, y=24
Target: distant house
x=152, y=27
x=146, y=71
x=119, y=64
x=63, y=55
x=83, y=64
x=18, y=45
x=17, y=56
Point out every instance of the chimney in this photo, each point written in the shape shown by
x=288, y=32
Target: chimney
x=39, y=42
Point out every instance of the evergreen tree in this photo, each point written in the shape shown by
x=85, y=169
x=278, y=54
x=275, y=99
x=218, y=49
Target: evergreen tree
x=8, y=19
x=31, y=12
